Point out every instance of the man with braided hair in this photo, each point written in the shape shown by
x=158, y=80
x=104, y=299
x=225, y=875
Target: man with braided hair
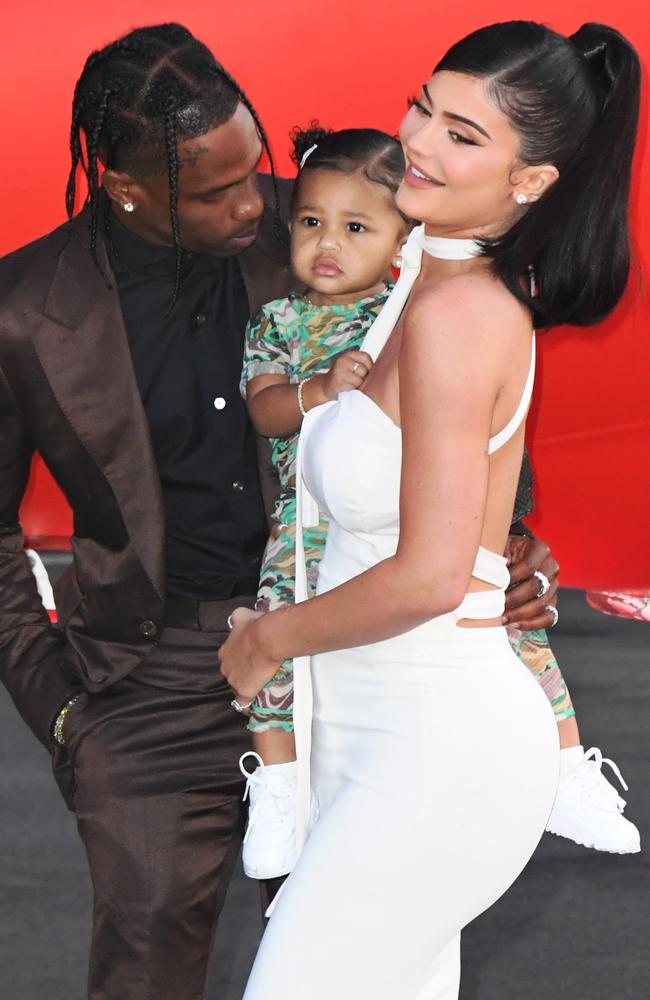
x=121, y=341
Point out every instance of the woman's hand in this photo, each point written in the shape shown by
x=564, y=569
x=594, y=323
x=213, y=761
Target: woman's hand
x=241, y=660
x=526, y=607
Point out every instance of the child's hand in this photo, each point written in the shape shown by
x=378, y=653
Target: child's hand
x=348, y=371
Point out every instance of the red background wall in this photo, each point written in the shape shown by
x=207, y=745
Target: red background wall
x=355, y=64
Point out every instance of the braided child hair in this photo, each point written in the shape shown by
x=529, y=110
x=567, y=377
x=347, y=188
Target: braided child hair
x=376, y=153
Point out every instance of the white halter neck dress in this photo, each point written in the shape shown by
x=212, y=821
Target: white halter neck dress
x=434, y=755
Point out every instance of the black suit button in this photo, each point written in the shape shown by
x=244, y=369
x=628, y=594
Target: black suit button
x=238, y=486
x=200, y=319
x=150, y=629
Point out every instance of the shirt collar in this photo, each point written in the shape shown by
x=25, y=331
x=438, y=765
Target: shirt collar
x=133, y=254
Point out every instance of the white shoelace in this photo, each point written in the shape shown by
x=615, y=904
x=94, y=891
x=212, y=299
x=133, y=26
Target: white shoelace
x=279, y=790
x=594, y=755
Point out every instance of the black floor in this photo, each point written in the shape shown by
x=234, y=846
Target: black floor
x=576, y=925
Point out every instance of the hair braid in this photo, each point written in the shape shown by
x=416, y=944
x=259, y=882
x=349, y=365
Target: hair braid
x=75, y=157
x=172, y=172
x=93, y=176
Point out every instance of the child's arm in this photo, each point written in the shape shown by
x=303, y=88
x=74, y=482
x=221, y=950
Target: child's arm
x=273, y=401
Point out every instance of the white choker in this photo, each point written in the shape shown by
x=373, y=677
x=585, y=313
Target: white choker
x=449, y=249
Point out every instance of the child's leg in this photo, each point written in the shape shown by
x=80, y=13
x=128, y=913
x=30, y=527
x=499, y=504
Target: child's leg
x=588, y=809
x=269, y=845
x=534, y=650
x=271, y=718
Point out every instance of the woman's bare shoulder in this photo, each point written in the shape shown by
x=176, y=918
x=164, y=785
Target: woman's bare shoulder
x=473, y=309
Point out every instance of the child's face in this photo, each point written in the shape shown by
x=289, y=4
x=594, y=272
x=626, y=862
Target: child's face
x=345, y=235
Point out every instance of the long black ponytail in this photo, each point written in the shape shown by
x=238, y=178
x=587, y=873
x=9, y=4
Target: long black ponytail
x=575, y=103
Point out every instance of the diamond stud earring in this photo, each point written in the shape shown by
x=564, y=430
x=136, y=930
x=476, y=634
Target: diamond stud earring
x=521, y=199
x=128, y=206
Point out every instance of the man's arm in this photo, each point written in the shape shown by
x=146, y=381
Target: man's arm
x=31, y=648
x=526, y=606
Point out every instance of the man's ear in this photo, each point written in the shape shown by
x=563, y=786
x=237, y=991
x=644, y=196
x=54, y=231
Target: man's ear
x=122, y=189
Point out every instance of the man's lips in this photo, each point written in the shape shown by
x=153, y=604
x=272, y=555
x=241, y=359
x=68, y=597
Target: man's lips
x=245, y=239
x=417, y=178
x=326, y=268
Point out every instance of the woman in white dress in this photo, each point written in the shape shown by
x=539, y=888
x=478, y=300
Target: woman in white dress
x=434, y=753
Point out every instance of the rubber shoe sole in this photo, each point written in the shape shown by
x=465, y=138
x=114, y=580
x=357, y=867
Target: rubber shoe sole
x=564, y=823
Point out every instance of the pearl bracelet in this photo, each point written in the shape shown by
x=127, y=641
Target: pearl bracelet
x=301, y=386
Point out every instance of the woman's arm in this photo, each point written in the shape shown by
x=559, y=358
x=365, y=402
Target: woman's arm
x=449, y=381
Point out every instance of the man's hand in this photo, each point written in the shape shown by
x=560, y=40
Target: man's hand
x=524, y=608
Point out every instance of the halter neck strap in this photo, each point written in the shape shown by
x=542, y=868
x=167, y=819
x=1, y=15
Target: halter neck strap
x=448, y=249
x=417, y=243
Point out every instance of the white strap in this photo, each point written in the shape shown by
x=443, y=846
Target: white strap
x=386, y=321
x=506, y=432
x=307, y=515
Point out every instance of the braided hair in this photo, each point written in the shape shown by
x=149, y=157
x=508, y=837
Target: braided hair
x=135, y=100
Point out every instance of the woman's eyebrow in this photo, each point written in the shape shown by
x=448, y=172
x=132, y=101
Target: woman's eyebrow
x=457, y=118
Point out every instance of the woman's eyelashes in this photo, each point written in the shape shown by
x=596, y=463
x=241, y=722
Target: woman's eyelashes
x=414, y=102
x=457, y=137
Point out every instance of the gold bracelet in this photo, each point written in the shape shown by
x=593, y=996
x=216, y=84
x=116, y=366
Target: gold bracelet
x=301, y=386
x=57, y=732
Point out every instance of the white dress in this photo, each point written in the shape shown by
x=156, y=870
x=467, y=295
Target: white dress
x=434, y=755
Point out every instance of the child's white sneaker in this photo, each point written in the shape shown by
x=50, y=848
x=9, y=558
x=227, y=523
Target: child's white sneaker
x=270, y=840
x=588, y=809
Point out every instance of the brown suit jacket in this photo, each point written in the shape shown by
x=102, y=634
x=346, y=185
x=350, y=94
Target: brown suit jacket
x=68, y=391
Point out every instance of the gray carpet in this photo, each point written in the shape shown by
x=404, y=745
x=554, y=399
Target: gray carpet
x=574, y=927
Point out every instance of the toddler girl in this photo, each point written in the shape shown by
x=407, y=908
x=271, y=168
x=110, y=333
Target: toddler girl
x=302, y=350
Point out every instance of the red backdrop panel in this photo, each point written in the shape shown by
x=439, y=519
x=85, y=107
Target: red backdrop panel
x=355, y=64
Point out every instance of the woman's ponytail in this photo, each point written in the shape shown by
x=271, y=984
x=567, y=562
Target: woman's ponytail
x=575, y=103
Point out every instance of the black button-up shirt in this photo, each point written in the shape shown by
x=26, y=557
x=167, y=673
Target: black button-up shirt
x=188, y=363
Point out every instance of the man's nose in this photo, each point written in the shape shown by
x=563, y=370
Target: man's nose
x=250, y=203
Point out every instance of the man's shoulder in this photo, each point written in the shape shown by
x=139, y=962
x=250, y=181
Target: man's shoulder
x=21, y=266
x=54, y=240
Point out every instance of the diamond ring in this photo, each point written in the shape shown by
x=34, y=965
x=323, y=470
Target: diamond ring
x=355, y=366
x=544, y=583
x=239, y=707
x=553, y=611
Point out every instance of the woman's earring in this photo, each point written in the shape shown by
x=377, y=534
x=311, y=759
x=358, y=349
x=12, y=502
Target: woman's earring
x=521, y=198
x=128, y=206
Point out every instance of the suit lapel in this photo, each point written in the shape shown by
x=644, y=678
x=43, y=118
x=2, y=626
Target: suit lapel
x=82, y=345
